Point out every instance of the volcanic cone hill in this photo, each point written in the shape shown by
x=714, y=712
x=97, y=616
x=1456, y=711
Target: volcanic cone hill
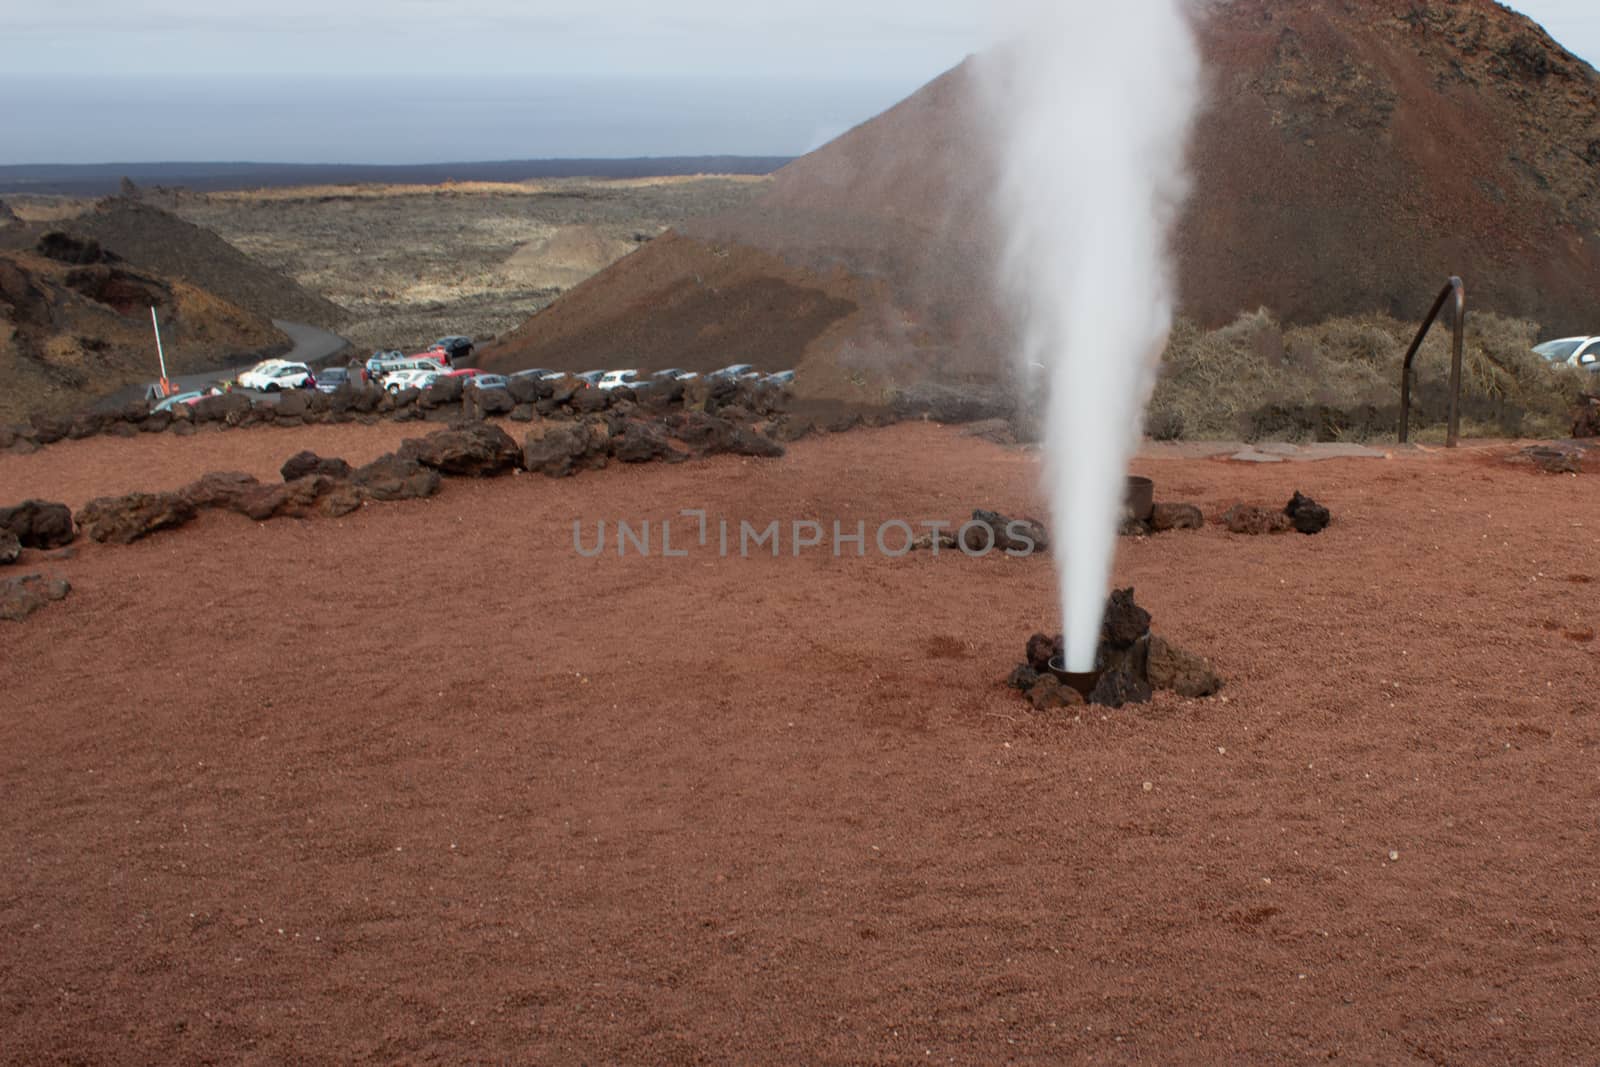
x=75, y=325
x=152, y=239
x=1353, y=154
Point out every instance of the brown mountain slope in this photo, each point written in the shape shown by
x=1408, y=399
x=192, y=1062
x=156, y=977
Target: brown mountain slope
x=1353, y=154
x=72, y=332
x=150, y=238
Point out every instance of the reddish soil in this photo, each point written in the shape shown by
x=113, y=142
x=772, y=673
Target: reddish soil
x=422, y=785
x=1350, y=158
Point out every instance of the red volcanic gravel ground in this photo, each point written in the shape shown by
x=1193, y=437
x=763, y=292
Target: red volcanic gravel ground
x=423, y=785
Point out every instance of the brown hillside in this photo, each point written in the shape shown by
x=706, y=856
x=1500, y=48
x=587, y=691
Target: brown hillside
x=72, y=332
x=1352, y=155
x=160, y=241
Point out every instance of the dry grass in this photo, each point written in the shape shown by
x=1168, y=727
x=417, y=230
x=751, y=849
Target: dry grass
x=1340, y=380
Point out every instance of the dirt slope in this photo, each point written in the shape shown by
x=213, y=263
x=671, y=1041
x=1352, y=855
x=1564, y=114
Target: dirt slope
x=158, y=240
x=72, y=332
x=1352, y=156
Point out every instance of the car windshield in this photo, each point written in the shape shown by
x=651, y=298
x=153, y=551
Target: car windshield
x=1560, y=351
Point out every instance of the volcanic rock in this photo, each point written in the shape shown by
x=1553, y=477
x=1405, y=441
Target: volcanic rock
x=155, y=422
x=304, y=464
x=39, y=523
x=391, y=477
x=1189, y=675
x=1176, y=517
x=10, y=547
x=78, y=251
x=294, y=404
x=125, y=519
x=1118, y=689
x=1049, y=694
x=220, y=489
x=1255, y=521
x=443, y=391
x=1306, y=514
x=642, y=442
x=26, y=594
x=1552, y=459
x=1041, y=650
x=48, y=429
x=476, y=450
x=591, y=401
x=493, y=401
x=1024, y=678
x=218, y=408
x=1019, y=536
x=316, y=494
x=1125, y=621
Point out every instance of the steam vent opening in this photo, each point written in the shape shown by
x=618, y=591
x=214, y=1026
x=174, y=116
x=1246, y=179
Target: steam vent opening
x=1131, y=664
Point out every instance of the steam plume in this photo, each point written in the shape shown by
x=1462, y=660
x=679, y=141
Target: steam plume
x=1092, y=104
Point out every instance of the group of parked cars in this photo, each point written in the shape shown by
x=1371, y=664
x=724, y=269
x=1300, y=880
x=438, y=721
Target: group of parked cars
x=395, y=370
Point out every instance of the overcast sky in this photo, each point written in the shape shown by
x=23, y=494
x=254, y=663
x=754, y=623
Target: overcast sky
x=831, y=62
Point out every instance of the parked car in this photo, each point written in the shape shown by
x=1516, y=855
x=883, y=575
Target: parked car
x=616, y=379
x=783, y=377
x=590, y=377
x=538, y=374
x=379, y=368
x=489, y=381
x=411, y=378
x=455, y=347
x=737, y=371
x=463, y=372
x=332, y=378
x=277, y=374
x=674, y=374
x=1570, y=350
x=168, y=403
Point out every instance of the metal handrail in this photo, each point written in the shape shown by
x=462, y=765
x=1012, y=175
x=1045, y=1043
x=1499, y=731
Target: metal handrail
x=1452, y=433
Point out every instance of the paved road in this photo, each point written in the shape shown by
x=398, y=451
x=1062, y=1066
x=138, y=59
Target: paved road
x=312, y=345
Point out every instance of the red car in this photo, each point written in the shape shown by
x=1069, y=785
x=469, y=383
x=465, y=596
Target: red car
x=437, y=354
x=464, y=372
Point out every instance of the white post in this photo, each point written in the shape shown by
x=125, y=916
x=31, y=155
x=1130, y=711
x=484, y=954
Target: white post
x=160, y=355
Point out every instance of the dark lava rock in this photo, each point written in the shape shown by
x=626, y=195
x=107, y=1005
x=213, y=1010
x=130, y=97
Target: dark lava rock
x=1041, y=650
x=313, y=495
x=523, y=413
x=85, y=424
x=1024, y=678
x=1255, y=521
x=591, y=401
x=71, y=249
x=26, y=594
x=1189, y=675
x=1176, y=517
x=39, y=523
x=494, y=401
x=121, y=429
x=553, y=452
x=125, y=519
x=1021, y=536
x=10, y=548
x=525, y=390
x=218, y=408
x=1118, y=689
x=1132, y=527
x=220, y=489
x=443, y=391
x=1308, y=516
x=183, y=428
x=477, y=450
x=1125, y=621
x=155, y=422
x=48, y=429
x=642, y=442
x=406, y=398
x=304, y=464
x=1049, y=694
x=294, y=404
x=390, y=477
x=1549, y=459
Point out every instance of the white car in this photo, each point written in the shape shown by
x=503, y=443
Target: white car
x=1580, y=352
x=616, y=379
x=276, y=374
x=409, y=379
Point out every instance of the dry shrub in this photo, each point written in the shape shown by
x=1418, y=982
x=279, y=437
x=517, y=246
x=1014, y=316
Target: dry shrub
x=1340, y=380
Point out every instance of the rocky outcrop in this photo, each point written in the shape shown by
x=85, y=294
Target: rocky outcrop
x=305, y=464
x=125, y=519
x=24, y=595
x=10, y=548
x=1254, y=521
x=476, y=450
x=1167, y=517
x=39, y=524
x=1188, y=675
x=391, y=477
x=1306, y=515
